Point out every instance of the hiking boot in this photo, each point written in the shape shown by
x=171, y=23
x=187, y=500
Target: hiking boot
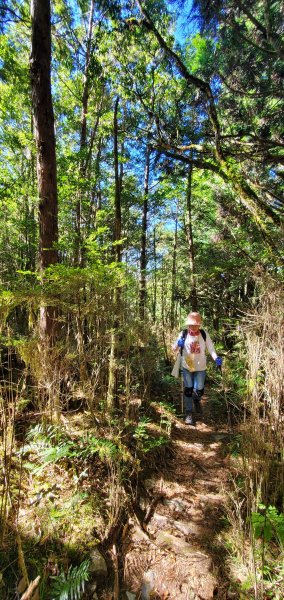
x=189, y=419
x=197, y=406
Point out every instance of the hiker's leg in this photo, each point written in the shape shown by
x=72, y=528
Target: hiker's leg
x=188, y=389
x=199, y=380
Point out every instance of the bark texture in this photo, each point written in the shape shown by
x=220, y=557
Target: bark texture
x=44, y=131
x=40, y=68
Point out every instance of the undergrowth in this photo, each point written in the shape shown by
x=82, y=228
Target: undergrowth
x=67, y=494
x=255, y=508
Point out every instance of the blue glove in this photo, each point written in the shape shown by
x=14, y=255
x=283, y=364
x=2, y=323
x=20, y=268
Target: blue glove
x=218, y=361
x=180, y=343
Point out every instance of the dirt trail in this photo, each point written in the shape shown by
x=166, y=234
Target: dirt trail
x=180, y=558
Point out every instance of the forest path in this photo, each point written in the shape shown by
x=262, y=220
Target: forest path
x=180, y=557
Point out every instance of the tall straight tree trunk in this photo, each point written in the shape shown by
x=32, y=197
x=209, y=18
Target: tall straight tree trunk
x=164, y=307
x=143, y=255
x=155, y=276
x=118, y=187
x=113, y=367
x=40, y=67
x=189, y=236
x=43, y=116
x=79, y=255
x=174, y=273
x=79, y=251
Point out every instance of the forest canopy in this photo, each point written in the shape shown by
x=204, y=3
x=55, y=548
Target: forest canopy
x=206, y=103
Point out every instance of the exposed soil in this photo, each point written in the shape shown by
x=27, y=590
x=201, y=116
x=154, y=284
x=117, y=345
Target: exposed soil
x=178, y=556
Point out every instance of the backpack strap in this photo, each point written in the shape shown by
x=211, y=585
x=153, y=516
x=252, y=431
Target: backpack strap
x=185, y=332
x=183, y=336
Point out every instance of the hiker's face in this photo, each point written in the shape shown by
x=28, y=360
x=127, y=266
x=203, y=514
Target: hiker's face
x=193, y=328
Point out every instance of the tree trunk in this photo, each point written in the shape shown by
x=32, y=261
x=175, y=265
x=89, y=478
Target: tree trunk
x=79, y=250
x=85, y=157
x=118, y=186
x=143, y=256
x=174, y=273
x=164, y=307
x=45, y=144
x=189, y=236
x=113, y=366
x=155, y=276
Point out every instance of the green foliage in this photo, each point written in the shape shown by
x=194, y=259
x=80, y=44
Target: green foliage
x=165, y=422
x=54, y=454
x=268, y=531
x=167, y=408
x=43, y=432
x=145, y=441
x=51, y=445
x=201, y=55
x=141, y=432
x=106, y=449
x=235, y=445
x=268, y=524
x=70, y=585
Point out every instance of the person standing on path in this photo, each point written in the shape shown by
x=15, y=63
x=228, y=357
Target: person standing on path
x=193, y=343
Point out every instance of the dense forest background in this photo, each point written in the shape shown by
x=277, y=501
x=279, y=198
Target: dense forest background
x=144, y=181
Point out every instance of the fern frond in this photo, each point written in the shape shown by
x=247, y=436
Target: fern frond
x=104, y=448
x=44, y=432
x=53, y=454
x=70, y=586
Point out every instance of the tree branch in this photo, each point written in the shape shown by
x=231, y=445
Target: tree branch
x=199, y=164
x=203, y=86
x=230, y=173
x=6, y=9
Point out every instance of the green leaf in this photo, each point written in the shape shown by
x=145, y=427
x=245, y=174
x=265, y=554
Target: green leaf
x=70, y=586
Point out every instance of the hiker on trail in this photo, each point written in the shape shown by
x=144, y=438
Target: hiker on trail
x=192, y=343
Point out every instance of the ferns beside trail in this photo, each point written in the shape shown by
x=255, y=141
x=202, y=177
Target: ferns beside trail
x=70, y=586
x=51, y=445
